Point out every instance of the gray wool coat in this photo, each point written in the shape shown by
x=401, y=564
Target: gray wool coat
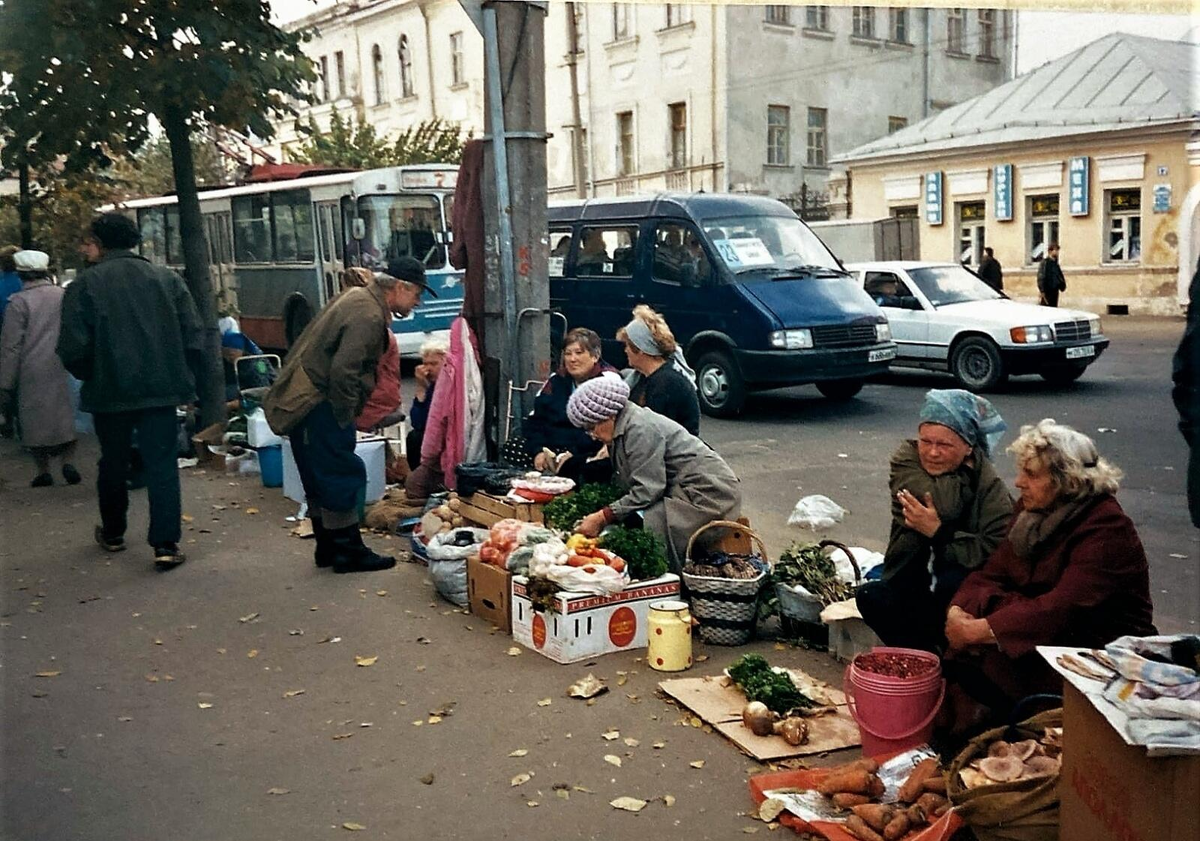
x=677, y=481
x=30, y=367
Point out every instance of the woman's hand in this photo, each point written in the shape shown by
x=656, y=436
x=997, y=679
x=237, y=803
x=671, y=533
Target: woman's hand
x=918, y=516
x=541, y=462
x=964, y=631
x=591, y=525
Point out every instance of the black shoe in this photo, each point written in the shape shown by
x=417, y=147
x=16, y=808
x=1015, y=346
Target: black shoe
x=71, y=475
x=350, y=554
x=168, y=556
x=42, y=480
x=109, y=544
x=323, y=554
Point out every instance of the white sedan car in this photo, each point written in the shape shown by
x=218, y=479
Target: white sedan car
x=944, y=318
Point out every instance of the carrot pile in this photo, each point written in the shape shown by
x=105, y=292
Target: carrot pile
x=857, y=787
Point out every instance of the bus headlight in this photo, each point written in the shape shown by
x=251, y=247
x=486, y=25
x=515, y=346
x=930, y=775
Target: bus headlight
x=791, y=339
x=883, y=332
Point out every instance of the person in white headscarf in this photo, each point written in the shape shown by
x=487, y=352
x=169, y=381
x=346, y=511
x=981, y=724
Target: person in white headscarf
x=671, y=478
x=660, y=378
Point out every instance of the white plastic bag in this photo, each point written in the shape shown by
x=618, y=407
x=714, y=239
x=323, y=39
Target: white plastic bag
x=602, y=581
x=816, y=512
x=442, y=548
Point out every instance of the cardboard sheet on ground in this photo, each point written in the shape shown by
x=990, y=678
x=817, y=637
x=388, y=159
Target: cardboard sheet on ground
x=718, y=703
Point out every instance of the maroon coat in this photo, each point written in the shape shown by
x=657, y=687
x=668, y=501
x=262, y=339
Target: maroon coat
x=1086, y=587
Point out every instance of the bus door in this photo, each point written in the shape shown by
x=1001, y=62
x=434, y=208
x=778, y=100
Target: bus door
x=329, y=231
x=218, y=230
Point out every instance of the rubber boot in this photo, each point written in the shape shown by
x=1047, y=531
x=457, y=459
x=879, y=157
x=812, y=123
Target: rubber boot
x=350, y=554
x=323, y=554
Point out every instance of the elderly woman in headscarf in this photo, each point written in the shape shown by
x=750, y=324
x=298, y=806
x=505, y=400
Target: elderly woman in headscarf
x=950, y=510
x=1072, y=571
x=675, y=481
x=660, y=378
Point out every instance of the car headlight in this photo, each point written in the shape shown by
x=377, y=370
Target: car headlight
x=1094, y=324
x=883, y=332
x=1032, y=335
x=791, y=339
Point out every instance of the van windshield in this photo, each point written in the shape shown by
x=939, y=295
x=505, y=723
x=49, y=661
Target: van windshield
x=768, y=244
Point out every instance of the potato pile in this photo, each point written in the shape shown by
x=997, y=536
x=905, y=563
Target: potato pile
x=444, y=518
x=857, y=787
x=1007, y=762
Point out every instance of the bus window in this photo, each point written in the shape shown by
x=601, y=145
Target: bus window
x=293, y=227
x=399, y=226
x=154, y=235
x=174, y=241
x=251, y=229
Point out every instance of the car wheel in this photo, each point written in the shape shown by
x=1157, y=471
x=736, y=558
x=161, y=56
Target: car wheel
x=719, y=382
x=976, y=364
x=840, y=389
x=297, y=313
x=1063, y=375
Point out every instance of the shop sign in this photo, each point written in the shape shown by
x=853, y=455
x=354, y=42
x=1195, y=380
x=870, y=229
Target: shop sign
x=933, y=198
x=1002, y=192
x=1162, y=198
x=1078, y=185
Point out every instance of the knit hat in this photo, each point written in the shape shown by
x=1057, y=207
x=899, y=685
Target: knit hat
x=597, y=400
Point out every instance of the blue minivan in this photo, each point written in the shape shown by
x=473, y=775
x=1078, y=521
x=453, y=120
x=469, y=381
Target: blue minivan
x=754, y=298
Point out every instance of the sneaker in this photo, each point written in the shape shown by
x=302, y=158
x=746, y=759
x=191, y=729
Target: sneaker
x=168, y=556
x=71, y=475
x=42, y=480
x=109, y=544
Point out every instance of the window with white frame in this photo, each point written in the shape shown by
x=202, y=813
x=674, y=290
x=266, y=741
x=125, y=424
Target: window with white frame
x=406, y=71
x=377, y=73
x=987, y=33
x=898, y=25
x=863, y=22
x=677, y=113
x=779, y=14
x=457, y=71
x=1043, y=225
x=622, y=21
x=818, y=151
x=971, y=226
x=778, y=129
x=897, y=123
x=816, y=17
x=1124, y=225
x=956, y=30
x=625, y=162
x=678, y=14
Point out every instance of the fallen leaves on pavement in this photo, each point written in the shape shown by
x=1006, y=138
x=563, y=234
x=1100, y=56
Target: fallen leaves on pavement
x=628, y=804
x=587, y=687
x=365, y=661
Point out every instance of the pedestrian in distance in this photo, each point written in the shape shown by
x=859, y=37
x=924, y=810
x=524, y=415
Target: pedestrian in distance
x=130, y=332
x=31, y=376
x=9, y=283
x=1050, y=280
x=990, y=270
x=324, y=385
x=1185, y=374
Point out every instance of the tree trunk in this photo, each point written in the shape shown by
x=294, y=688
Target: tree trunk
x=24, y=206
x=210, y=379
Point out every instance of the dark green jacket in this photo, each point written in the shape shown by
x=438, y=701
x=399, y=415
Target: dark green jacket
x=972, y=502
x=128, y=330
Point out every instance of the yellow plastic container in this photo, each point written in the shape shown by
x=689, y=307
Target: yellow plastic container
x=670, y=634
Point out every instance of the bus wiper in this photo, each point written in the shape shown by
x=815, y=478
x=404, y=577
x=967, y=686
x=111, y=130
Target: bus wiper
x=816, y=271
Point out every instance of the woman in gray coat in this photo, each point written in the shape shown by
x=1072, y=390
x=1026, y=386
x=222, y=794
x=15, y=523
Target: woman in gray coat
x=672, y=478
x=31, y=375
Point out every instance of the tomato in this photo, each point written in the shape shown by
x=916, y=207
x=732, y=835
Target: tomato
x=617, y=564
x=578, y=561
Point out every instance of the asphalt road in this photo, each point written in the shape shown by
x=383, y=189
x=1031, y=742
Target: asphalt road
x=174, y=704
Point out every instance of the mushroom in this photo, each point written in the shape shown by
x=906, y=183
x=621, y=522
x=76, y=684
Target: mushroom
x=1024, y=750
x=758, y=718
x=1002, y=769
x=793, y=730
x=1041, y=766
x=999, y=748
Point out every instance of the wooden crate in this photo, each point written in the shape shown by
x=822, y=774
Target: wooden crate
x=487, y=510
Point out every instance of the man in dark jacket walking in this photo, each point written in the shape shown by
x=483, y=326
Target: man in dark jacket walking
x=990, y=270
x=1186, y=394
x=1050, y=280
x=329, y=374
x=131, y=333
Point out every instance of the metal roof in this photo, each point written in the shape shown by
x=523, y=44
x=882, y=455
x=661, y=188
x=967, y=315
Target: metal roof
x=1116, y=83
x=694, y=205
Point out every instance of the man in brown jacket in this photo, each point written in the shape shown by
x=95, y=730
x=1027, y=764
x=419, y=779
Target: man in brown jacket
x=329, y=374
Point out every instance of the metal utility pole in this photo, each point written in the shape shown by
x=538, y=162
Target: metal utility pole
x=517, y=295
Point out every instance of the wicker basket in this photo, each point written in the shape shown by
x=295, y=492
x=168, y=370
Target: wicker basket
x=727, y=608
x=798, y=604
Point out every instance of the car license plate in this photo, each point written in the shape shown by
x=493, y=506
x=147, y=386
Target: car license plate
x=881, y=355
x=1081, y=352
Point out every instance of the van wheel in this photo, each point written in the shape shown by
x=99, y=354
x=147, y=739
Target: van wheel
x=722, y=390
x=840, y=389
x=297, y=313
x=1064, y=375
x=976, y=364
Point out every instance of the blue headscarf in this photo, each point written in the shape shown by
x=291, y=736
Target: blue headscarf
x=240, y=341
x=973, y=419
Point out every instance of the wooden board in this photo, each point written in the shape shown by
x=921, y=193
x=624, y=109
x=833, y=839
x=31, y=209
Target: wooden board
x=487, y=510
x=719, y=704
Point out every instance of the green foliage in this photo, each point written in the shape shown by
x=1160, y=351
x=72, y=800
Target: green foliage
x=356, y=144
x=755, y=677
x=149, y=172
x=811, y=567
x=643, y=551
x=563, y=512
x=62, y=210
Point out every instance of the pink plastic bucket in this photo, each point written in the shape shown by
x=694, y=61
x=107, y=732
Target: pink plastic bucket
x=894, y=713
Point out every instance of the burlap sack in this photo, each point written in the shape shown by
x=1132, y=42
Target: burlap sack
x=1025, y=810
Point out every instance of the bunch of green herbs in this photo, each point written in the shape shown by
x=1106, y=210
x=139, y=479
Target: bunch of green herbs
x=643, y=552
x=563, y=512
x=755, y=677
x=809, y=566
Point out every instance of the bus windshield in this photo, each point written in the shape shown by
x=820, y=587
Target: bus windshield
x=768, y=243
x=397, y=226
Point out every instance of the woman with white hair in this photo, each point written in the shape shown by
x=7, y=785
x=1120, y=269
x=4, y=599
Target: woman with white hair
x=675, y=481
x=433, y=355
x=1071, y=571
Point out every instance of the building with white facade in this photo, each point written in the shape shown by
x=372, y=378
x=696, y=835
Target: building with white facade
x=683, y=97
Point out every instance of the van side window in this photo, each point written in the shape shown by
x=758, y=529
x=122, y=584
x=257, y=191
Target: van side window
x=886, y=289
x=606, y=251
x=679, y=257
x=560, y=247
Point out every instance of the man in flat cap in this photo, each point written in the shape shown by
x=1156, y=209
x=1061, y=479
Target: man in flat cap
x=329, y=374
